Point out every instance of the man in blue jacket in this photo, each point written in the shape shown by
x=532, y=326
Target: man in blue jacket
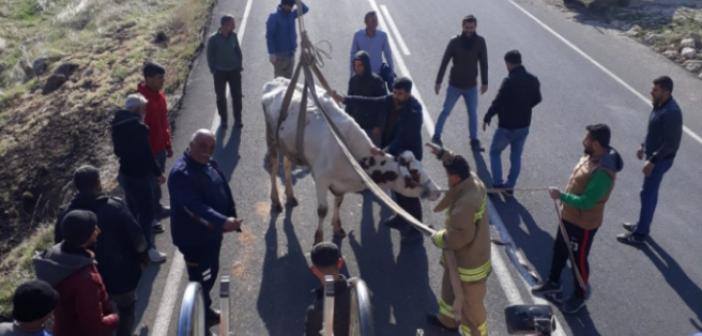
x=665, y=127
x=202, y=209
x=401, y=122
x=281, y=37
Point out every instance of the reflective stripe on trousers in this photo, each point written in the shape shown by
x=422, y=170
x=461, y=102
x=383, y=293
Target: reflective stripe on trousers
x=464, y=330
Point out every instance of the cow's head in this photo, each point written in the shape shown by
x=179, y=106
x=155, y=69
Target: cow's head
x=404, y=174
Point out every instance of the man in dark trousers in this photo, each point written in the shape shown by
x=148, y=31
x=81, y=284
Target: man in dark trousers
x=402, y=131
x=466, y=50
x=582, y=211
x=137, y=167
x=156, y=118
x=225, y=62
x=327, y=260
x=202, y=210
x=69, y=266
x=663, y=136
x=518, y=95
x=33, y=305
x=281, y=37
x=367, y=84
x=120, y=249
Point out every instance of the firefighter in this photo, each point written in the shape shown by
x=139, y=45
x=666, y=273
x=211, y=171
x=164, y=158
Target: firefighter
x=467, y=235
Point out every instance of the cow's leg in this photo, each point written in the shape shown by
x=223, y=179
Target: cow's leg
x=275, y=199
x=291, y=201
x=336, y=219
x=322, y=209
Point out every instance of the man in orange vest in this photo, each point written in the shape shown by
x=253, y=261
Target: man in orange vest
x=582, y=210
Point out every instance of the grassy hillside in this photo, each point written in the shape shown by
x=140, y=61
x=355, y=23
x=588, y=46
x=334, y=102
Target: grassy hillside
x=100, y=46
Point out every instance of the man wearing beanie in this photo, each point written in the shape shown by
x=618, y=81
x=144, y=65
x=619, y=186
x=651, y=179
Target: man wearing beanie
x=326, y=260
x=467, y=235
x=32, y=305
x=84, y=308
x=120, y=250
x=281, y=38
x=582, y=211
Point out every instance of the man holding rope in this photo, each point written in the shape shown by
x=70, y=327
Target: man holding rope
x=468, y=236
x=581, y=213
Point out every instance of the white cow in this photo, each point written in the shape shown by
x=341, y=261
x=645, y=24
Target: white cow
x=328, y=165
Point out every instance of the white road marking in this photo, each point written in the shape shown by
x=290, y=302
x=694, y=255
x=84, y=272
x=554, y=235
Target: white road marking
x=509, y=287
x=170, y=296
x=395, y=31
x=402, y=67
x=609, y=73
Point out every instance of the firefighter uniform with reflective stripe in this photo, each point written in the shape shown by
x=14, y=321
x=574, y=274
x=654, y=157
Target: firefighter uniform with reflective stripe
x=468, y=236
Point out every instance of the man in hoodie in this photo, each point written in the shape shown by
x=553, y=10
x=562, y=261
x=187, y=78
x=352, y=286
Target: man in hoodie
x=281, y=37
x=374, y=42
x=519, y=94
x=663, y=136
x=203, y=210
x=120, y=248
x=366, y=84
x=466, y=50
x=33, y=305
x=137, y=167
x=224, y=60
x=84, y=308
x=156, y=119
x=582, y=211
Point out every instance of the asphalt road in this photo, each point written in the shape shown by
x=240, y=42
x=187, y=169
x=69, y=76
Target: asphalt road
x=588, y=75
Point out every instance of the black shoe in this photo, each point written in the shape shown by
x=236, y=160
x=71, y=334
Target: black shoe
x=212, y=318
x=163, y=211
x=475, y=145
x=437, y=140
x=546, y=288
x=573, y=305
x=631, y=227
x=158, y=228
x=434, y=321
x=631, y=239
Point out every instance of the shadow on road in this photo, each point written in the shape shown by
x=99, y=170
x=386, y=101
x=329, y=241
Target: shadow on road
x=227, y=153
x=146, y=282
x=676, y=277
x=286, y=282
x=401, y=294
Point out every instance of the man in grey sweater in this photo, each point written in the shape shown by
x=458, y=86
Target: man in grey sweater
x=224, y=59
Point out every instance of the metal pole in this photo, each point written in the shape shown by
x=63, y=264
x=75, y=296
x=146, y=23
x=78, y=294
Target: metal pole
x=224, y=302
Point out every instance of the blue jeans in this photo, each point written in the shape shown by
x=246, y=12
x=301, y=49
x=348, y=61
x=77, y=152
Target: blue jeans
x=649, y=196
x=515, y=139
x=470, y=97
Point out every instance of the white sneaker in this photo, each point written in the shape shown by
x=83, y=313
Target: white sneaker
x=156, y=257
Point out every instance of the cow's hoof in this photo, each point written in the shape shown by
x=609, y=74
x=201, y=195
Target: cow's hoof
x=276, y=208
x=339, y=234
x=318, y=237
x=291, y=202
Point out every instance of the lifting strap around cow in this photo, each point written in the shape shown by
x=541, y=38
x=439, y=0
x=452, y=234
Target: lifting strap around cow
x=308, y=65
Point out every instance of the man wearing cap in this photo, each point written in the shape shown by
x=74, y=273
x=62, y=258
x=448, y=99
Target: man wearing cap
x=281, y=37
x=202, y=211
x=32, y=305
x=137, y=166
x=69, y=266
x=120, y=250
x=582, y=212
x=467, y=235
x=400, y=117
x=327, y=260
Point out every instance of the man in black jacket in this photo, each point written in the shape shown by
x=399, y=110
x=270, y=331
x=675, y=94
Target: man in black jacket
x=120, y=247
x=665, y=128
x=366, y=84
x=137, y=166
x=518, y=95
x=202, y=209
x=402, y=131
x=467, y=50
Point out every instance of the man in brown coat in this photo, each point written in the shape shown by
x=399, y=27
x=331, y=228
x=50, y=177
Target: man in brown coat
x=582, y=211
x=467, y=235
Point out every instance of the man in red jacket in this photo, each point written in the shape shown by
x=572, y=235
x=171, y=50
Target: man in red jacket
x=84, y=308
x=159, y=128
